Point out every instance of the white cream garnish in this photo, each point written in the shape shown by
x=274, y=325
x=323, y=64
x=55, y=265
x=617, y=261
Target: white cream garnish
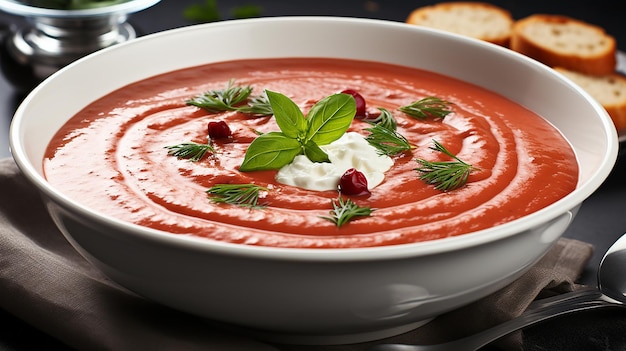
x=349, y=151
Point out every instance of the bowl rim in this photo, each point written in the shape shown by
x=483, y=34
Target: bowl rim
x=568, y=203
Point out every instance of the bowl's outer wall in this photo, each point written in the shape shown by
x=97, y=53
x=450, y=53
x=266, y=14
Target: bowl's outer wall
x=294, y=292
x=326, y=301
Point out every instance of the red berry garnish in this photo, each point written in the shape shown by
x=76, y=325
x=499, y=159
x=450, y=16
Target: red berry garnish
x=360, y=102
x=353, y=182
x=219, y=130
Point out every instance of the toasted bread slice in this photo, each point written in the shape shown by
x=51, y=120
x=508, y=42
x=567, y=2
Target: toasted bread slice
x=474, y=19
x=609, y=90
x=560, y=41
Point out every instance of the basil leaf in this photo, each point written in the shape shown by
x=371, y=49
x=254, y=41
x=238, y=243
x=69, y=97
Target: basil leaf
x=288, y=115
x=314, y=153
x=330, y=118
x=327, y=121
x=270, y=151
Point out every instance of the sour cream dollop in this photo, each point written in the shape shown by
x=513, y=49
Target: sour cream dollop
x=349, y=151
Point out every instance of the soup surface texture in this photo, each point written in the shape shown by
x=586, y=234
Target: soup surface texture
x=112, y=157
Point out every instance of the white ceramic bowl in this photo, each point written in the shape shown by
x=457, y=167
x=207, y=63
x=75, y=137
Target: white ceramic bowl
x=308, y=295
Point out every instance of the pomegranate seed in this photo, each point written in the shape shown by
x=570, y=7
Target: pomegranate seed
x=360, y=102
x=219, y=130
x=353, y=182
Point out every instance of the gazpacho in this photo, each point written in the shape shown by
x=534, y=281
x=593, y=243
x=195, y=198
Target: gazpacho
x=310, y=153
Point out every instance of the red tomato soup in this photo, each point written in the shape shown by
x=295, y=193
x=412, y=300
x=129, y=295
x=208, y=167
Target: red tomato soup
x=112, y=157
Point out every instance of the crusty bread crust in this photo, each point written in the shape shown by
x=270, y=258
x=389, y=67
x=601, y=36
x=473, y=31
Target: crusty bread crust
x=473, y=19
x=609, y=90
x=565, y=42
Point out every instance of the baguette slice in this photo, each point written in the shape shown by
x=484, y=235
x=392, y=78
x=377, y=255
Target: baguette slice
x=560, y=41
x=609, y=90
x=473, y=19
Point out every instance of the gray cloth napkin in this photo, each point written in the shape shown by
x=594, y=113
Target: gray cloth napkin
x=46, y=283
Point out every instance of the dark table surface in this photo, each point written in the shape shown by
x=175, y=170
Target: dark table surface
x=601, y=220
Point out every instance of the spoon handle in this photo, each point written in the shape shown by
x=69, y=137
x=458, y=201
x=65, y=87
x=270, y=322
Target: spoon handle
x=583, y=294
x=580, y=300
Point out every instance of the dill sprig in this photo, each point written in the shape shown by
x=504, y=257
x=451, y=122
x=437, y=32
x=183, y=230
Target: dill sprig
x=445, y=175
x=222, y=99
x=428, y=106
x=233, y=98
x=258, y=106
x=191, y=151
x=345, y=210
x=246, y=195
x=385, y=119
x=386, y=141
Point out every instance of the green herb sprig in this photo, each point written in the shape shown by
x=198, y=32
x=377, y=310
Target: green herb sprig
x=345, y=210
x=191, y=151
x=257, y=105
x=222, y=99
x=446, y=175
x=386, y=141
x=385, y=119
x=428, y=106
x=232, y=98
x=326, y=122
x=246, y=195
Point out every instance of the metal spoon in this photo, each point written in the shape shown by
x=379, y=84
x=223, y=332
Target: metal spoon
x=611, y=292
